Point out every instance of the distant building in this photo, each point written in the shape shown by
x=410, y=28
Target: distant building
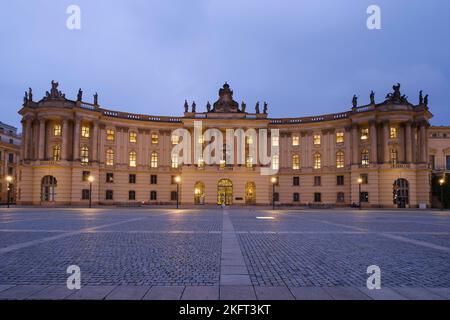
x=10, y=143
x=386, y=149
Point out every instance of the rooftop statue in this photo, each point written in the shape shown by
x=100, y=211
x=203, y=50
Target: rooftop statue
x=257, y=108
x=420, y=97
x=265, y=108
x=25, y=97
x=208, y=107
x=372, y=97
x=79, y=95
x=425, y=101
x=96, y=99
x=30, y=94
x=186, y=106
x=194, y=107
x=225, y=102
x=54, y=92
x=396, y=97
x=243, y=106
x=355, y=101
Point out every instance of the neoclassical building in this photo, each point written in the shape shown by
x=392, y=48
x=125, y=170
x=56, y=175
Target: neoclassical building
x=378, y=154
x=10, y=142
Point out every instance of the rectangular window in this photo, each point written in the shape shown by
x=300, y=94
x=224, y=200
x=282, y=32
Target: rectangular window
x=57, y=130
x=339, y=137
x=448, y=162
x=275, y=162
x=110, y=135
x=249, y=162
x=154, y=160
x=296, y=181
x=153, y=195
x=110, y=157
x=154, y=138
x=295, y=162
x=317, y=139
x=317, y=181
x=174, y=161
x=275, y=141
x=295, y=141
x=133, y=137
x=132, y=178
x=109, y=177
x=317, y=197
x=249, y=139
x=86, y=175
x=85, y=131
x=364, y=134
x=109, y=195
x=11, y=158
x=153, y=179
x=296, y=197
x=433, y=162
x=340, y=180
x=85, y=155
x=393, y=133
x=131, y=195
x=85, y=194
x=173, y=196
x=364, y=196
x=365, y=178
x=175, y=139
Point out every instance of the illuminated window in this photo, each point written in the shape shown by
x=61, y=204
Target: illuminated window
x=201, y=139
x=393, y=133
x=133, y=137
x=296, y=162
x=222, y=163
x=316, y=139
x=364, y=133
x=154, y=160
x=365, y=157
x=154, y=138
x=85, y=155
x=85, y=131
x=57, y=130
x=275, y=162
x=175, y=139
x=56, y=153
x=317, y=161
x=339, y=137
x=295, y=141
x=110, y=135
x=132, y=159
x=174, y=161
x=340, y=159
x=249, y=139
x=394, y=156
x=110, y=157
x=201, y=162
x=275, y=141
x=249, y=162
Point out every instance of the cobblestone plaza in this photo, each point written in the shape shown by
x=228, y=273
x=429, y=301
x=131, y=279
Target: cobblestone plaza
x=236, y=253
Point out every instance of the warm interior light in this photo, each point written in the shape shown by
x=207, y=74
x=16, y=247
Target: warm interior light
x=91, y=179
x=360, y=180
x=441, y=181
x=177, y=179
x=273, y=180
x=9, y=178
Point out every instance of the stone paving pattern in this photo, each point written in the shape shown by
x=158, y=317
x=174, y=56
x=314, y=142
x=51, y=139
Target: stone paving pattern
x=137, y=253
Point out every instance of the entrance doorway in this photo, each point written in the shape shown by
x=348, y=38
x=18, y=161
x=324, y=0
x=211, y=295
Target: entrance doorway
x=199, y=193
x=250, y=193
x=225, y=192
x=48, y=188
x=401, y=193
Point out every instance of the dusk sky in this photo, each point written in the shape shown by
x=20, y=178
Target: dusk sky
x=304, y=57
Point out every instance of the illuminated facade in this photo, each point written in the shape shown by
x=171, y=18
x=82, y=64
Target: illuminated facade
x=319, y=163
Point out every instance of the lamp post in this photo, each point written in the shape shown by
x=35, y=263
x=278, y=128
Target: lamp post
x=274, y=181
x=8, y=186
x=90, y=179
x=360, y=181
x=177, y=180
x=441, y=183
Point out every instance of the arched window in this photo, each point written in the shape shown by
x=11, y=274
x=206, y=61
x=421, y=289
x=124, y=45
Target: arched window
x=85, y=154
x=133, y=159
x=154, y=160
x=394, y=156
x=110, y=157
x=365, y=157
x=296, y=162
x=317, y=161
x=56, y=153
x=340, y=159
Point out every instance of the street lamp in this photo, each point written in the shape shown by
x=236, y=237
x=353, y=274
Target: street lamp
x=274, y=181
x=8, y=186
x=90, y=179
x=360, y=181
x=177, y=180
x=441, y=183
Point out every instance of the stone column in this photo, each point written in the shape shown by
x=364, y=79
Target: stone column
x=41, y=153
x=76, y=140
x=414, y=142
x=355, y=144
x=423, y=142
x=373, y=142
x=95, y=142
x=408, y=142
x=386, y=157
x=27, y=136
x=65, y=142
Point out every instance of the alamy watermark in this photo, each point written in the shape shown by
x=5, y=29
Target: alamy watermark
x=73, y=22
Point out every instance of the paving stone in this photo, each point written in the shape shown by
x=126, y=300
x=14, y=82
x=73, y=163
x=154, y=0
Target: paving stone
x=273, y=293
x=128, y=293
x=164, y=293
x=235, y=279
x=442, y=292
x=417, y=294
x=20, y=292
x=89, y=292
x=55, y=292
x=346, y=293
x=233, y=270
x=382, y=294
x=4, y=287
x=310, y=293
x=201, y=293
x=237, y=293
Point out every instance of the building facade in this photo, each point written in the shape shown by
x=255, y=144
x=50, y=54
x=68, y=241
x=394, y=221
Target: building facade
x=377, y=154
x=10, y=142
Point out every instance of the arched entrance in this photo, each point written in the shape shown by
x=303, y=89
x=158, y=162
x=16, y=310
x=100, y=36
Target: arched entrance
x=199, y=193
x=48, y=188
x=250, y=193
x=225, y=192
x=401, y=193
